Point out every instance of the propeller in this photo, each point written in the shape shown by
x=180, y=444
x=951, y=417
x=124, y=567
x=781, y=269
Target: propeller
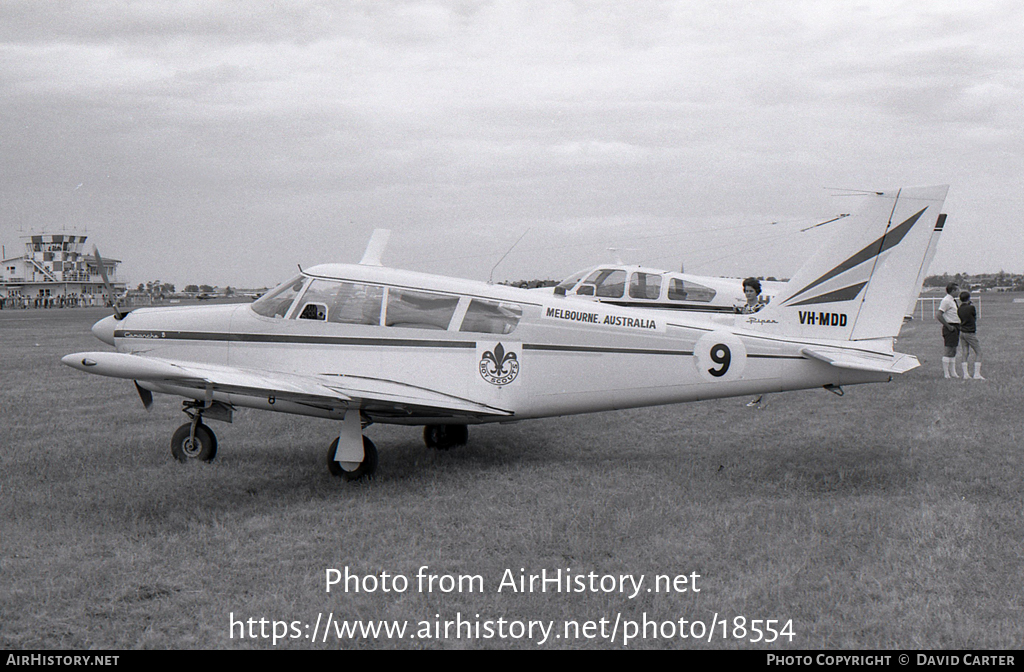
x=145, y=395
x=106, y=284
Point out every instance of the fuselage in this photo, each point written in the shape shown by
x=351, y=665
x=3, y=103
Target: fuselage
x=529, y=354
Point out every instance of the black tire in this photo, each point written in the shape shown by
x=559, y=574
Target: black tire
x=445, y=437
x=365, y=469
x=203, y=449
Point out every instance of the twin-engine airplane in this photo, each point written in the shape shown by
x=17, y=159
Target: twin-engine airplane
x=366, y=344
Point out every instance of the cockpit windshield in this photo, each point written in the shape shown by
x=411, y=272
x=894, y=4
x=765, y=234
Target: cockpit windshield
x=276, y=302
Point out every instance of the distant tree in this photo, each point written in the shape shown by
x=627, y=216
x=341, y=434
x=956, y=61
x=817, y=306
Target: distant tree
x=205, y=288
x=191, y=289
x=228, y=291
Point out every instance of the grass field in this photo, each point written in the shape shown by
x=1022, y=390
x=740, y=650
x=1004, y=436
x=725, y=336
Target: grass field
x=889, y=518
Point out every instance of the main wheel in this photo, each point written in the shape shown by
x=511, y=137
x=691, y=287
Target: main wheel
x=203, y=448
x=365, y=468
x=444, y=437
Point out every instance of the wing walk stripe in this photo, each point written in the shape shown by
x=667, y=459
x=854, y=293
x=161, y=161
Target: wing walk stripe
x=887, y=241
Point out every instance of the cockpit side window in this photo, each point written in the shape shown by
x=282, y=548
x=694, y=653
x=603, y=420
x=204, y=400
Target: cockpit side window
x=419, y=310
x=567, y=284
x=611, y=283
x=645, y=286
x=491, y=317
x=276, y=302
x=342, y=302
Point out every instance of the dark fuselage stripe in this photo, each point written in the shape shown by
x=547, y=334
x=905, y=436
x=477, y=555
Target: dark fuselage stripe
x=594, y=348
x=290, y=338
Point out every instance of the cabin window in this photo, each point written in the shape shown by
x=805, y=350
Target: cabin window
x=680, y=290
x=491, y=317
x=276, y=302
x=645, y=286
x=343, y=302
x=609, y=283
x=419, y=310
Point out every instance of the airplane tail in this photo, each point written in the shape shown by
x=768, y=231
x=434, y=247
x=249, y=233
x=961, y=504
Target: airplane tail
x=858, y=285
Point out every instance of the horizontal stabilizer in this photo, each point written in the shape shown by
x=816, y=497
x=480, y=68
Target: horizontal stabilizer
x=863, y=361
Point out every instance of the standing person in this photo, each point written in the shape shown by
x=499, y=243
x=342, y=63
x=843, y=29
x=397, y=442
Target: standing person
x=947, y=315
x=968, y=315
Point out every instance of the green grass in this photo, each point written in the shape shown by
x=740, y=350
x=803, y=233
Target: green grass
x=889, y=518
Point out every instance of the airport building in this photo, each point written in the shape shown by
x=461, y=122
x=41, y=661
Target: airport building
x=54, y=268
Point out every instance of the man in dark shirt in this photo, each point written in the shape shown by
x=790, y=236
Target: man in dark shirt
x=968, y=334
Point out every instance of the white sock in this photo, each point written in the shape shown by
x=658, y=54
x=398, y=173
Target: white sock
x=966, y=374
x=977, y=370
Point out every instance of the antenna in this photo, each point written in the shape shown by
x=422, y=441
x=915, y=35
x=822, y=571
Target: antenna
x=827, y=221
x=490, y=278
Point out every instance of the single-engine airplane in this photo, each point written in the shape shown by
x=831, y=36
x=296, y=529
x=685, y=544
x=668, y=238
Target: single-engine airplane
x=363, y=344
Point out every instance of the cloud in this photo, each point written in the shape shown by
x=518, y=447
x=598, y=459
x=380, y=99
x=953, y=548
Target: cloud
x=310, y=121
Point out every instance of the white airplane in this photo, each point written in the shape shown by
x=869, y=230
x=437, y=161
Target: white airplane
x=631, y=285
x=366, y=344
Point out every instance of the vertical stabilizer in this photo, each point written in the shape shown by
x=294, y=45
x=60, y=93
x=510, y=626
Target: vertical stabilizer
x=858, y=285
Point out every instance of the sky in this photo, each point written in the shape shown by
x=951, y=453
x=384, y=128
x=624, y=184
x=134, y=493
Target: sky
x=223, y=142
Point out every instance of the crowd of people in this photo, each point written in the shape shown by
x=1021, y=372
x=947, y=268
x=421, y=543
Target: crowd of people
x=22, y=301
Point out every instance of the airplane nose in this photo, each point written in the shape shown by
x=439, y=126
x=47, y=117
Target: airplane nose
x=104, y=329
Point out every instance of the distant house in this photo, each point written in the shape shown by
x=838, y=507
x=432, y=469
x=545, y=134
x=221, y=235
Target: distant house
x=54, y=265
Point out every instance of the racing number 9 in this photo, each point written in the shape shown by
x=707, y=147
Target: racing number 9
x=720, y=355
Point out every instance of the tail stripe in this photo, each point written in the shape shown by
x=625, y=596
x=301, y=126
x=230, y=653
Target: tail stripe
x=884, y=243
x=845, y=294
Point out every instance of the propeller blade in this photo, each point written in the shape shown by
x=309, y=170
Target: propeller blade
x=145, y=395
x=106, y=284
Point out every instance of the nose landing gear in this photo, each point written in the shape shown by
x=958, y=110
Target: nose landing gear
x=194, y=440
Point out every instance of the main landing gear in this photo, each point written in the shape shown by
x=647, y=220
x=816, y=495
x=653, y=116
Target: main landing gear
x=352, y=456
x=445, y=437
x=353, y=471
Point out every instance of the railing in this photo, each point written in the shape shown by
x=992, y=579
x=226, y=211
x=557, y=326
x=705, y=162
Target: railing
x=42, y=269
x=928, y=306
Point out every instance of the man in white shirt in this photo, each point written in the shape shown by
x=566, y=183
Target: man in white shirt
x=947, y=315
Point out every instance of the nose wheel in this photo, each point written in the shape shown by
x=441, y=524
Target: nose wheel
x=194, y=441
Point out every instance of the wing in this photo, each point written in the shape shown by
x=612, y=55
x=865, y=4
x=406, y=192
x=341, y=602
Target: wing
x=383, y=397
